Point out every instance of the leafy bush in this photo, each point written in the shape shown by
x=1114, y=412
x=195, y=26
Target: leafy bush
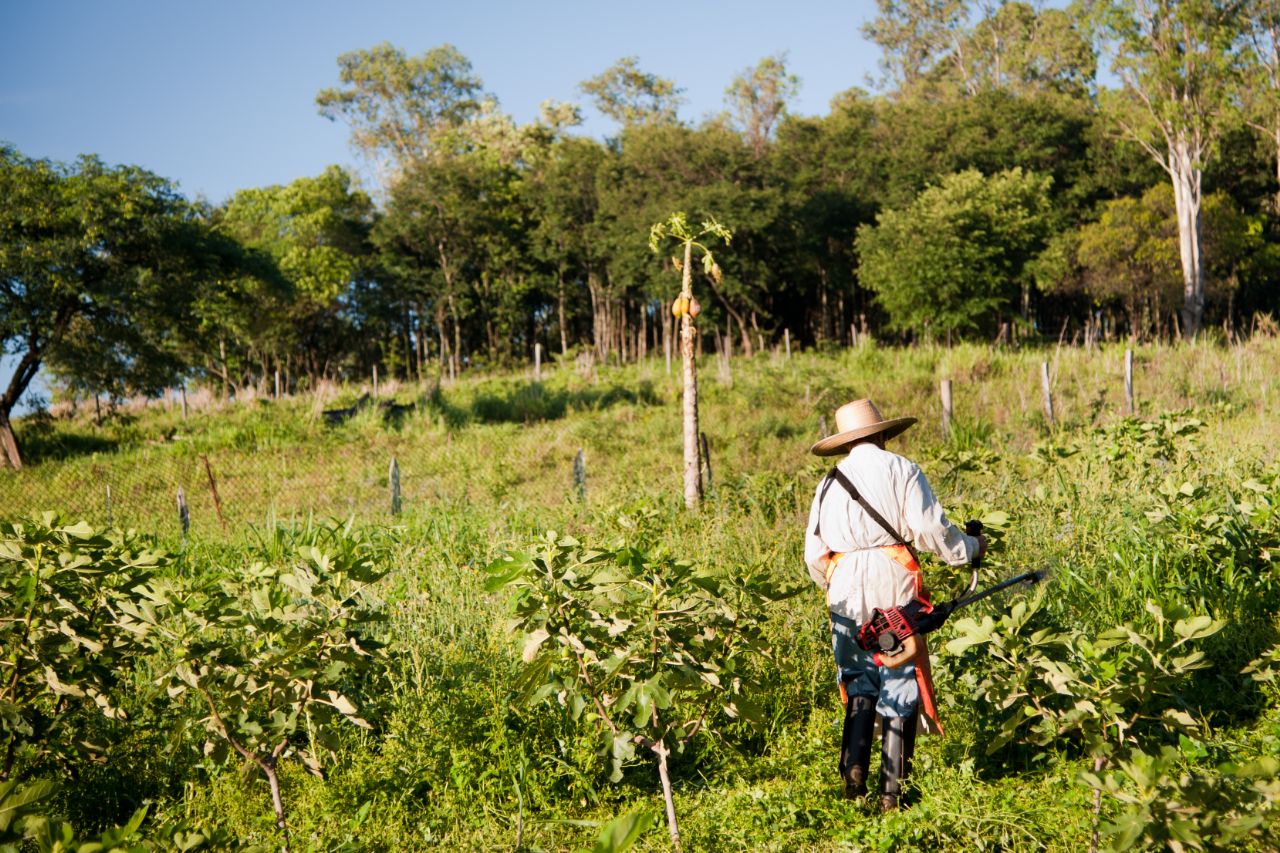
x=67, y=594
x=648, y=647
x=271, y=653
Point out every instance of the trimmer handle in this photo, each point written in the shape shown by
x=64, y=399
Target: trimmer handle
x=973, y=527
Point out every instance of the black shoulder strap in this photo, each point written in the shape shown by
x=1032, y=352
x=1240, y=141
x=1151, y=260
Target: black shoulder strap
x=837, y=476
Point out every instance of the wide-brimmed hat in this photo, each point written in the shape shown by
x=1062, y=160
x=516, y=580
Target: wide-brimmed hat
x=856, y=420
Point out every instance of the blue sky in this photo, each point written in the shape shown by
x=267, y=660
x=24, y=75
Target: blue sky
x=219, y=95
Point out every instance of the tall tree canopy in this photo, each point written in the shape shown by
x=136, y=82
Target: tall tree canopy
x=1180, y=64
x=398, y=105
x=950, y=260
x=630, y=96
x=98, y=271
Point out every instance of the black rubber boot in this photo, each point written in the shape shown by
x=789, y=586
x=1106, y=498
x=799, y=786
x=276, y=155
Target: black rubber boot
x=855, y=744
x=898, y=745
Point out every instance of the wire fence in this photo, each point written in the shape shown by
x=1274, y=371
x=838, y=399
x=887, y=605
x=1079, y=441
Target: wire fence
x=370, y=461
x=223, y=492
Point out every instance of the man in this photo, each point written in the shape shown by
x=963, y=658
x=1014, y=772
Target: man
x=867, y=515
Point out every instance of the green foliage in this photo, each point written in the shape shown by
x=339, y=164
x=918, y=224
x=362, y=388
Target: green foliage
x=1128, y=257
x=677, y=228
x=450, y=761
x=650, y=647
x=99, y=266
x=1047, y=685
x=67, y=598
x=272, y=653
x=630, y=96
x=24, y=826
x=397, y=105
x=623, y=832
x=1167, y=804
x=956, y=255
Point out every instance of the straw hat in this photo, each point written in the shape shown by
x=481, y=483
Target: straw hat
x=856, y=420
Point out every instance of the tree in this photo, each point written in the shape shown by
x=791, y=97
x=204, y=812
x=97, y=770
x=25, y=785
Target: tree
x=561, y=190
x=1129, y=256
x=831, y=175
x=397, y=105
x=758, y=97
x=930, y=48
x=65, y=636
x=270, y=653
x=917, y=36
x=1262, y=88
x=953, y=257
x=315, y=233
x=1019, y=48
x=433, y=234
x=630, y=96
x=651, y=649
x=94, y=260
x=677, y=228
x=1179, y=63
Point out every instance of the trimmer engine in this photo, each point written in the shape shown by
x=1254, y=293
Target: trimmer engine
x=894, y=631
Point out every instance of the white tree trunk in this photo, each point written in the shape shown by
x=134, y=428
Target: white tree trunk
x=1186, y=198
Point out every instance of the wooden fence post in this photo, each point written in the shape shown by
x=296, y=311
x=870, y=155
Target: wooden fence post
x=183, y=389
x=537, y=362
x=375, y=382
x=184, y=515
x=786, y=337
x=822, y=427
x=1129, y=408
x=580, y=474
x=277, y=383
x=1046, y=395
x=213, y=488
x=393, y=475
x=853, y=334
x=946, y=408
x=110, y=520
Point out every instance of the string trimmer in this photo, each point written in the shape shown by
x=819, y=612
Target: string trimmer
x=894, y=633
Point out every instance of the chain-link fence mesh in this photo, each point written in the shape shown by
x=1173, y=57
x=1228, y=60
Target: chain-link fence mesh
x=256, y=460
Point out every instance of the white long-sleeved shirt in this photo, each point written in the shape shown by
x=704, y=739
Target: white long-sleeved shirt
x=866, y=577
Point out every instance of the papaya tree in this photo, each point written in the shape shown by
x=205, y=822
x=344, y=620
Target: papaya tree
x=651, y=649
x=686, y=307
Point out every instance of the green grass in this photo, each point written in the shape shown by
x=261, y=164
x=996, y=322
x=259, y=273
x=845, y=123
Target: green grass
x=486, y=465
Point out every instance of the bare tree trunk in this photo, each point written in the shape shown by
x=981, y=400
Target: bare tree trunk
x=642, y=350
x=420, y=345
x=660, y=749
x=666, y=335
x=277, y=803
x=1186, y=197
x=457, y=336
x=599, y=315
x=692, y=462
x=9, y=443
x=226, y=378
x=564, y=336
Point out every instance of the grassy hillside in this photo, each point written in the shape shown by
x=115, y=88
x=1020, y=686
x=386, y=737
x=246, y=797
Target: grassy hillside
x=1134, y=517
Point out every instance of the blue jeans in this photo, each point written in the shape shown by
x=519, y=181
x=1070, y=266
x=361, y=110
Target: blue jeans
x=895, y=690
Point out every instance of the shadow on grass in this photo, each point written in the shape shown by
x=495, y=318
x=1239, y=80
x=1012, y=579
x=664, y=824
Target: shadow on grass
x=535, y=402
x=44, y=444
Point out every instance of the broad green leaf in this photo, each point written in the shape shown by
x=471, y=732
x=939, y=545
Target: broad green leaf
x=622, y=832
